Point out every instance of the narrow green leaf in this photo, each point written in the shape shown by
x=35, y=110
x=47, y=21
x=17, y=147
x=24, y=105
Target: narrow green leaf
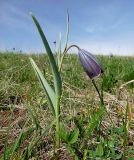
x=73, y=136
x=67, y=32
x=17, y=143
x=35, y=118
x=37, y=139
x=56, y=74
x=85, y=154
x=94, y=121
x=22, y=136
x=63, y=133
x=119, y=156
x=20, y=139
x=99, y=150
x=59, y=52
x=66, y=42
x=49, y=91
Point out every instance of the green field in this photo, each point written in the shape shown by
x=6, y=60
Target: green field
x=25, y=118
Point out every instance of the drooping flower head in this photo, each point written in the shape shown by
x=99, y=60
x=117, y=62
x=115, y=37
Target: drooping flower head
x=89, y=63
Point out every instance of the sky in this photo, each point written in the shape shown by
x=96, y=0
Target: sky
x=98, y=26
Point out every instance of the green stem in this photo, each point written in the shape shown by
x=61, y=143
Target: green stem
x=65, y=51
x=102, y=100
x=58, y=122
x=85, y=154
x=100, y=95
x=125, y=133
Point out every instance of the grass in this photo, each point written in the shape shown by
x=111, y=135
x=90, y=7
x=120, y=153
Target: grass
x=26, y=122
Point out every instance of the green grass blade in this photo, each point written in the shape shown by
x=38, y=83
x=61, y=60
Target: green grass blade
x=6, y=143
x=59, y=52
x=49, y=91
x=73, y=136
x=63, y=133
x=94, y=121
x=56, y=74
x=67, y=32
x=36, y=140
x=20, y=139
x=34, y=117
x=66, y=42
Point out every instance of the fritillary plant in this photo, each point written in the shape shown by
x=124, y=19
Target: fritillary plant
x=89, y=62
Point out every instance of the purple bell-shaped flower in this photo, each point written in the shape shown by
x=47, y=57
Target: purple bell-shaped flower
x=89, y=63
